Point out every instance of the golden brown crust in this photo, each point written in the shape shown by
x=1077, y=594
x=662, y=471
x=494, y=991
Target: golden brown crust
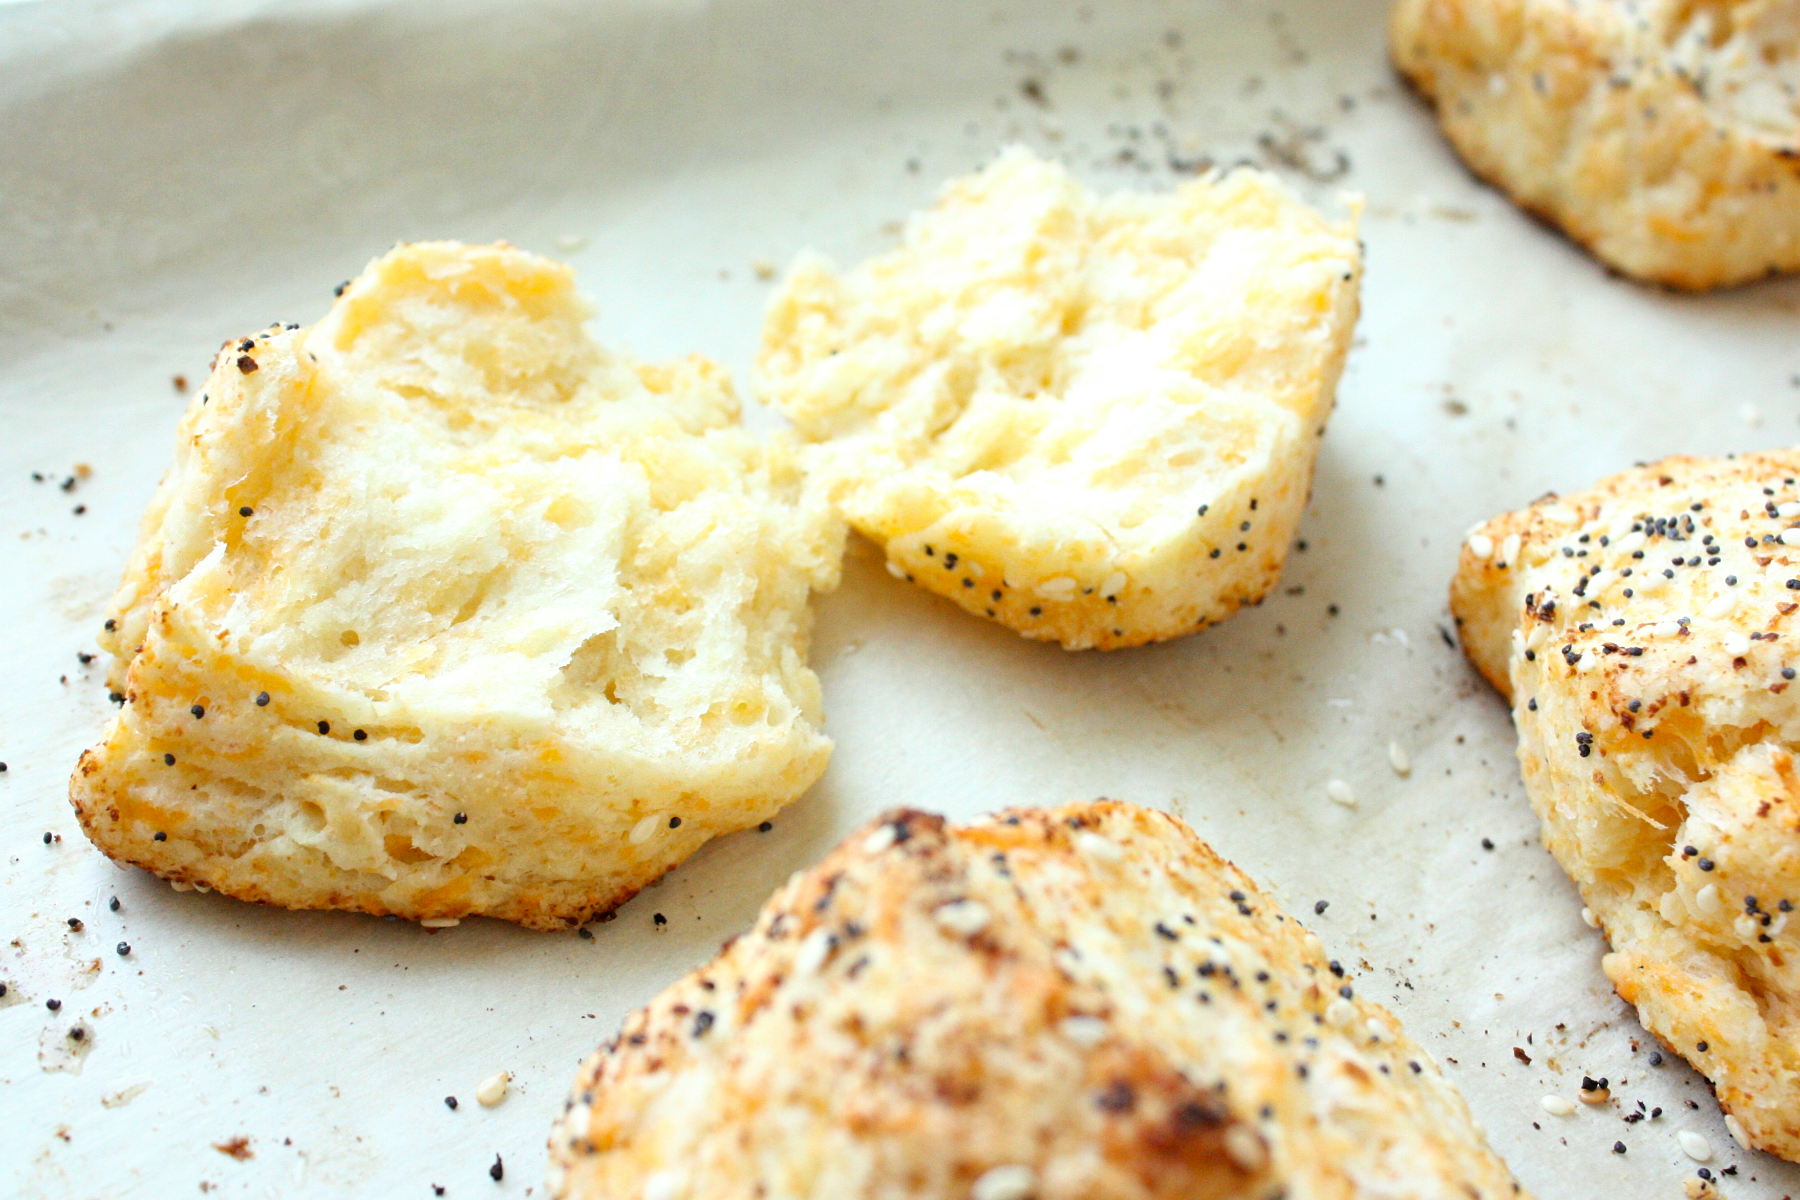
x=1657, y=722
x=1660, y=135
x=1084, y=1002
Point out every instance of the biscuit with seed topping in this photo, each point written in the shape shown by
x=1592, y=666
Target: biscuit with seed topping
x=1645, y=631
x=1082, y=1003
x=1663, y=135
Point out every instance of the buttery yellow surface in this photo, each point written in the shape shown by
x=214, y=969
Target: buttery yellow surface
x=531, y=618
x=1093, y=420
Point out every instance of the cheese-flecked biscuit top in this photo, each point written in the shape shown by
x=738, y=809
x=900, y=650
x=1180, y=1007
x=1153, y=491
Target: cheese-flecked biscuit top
x=1646, y=632
x=446, y=610
x=1664, y=135
x=1083, y=1003
x=1091, y=420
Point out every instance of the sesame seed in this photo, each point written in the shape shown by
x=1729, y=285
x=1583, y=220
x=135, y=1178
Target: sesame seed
x=1011, y=1182
x=1694, y=1145
x=493, y=1089
x=1399, y=760
x=963, y=917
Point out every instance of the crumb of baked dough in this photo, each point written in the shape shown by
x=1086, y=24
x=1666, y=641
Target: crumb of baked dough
x=1084, y=1003
x=1664, y=135
x=1645, y=632
x=445, y=610
x=1091, y=420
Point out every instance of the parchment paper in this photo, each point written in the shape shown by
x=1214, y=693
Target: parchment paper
x=173, y=174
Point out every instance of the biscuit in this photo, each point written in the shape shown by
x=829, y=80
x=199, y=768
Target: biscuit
x=445, y=610
x=1662, y=135
x=1093, y=421
x=1084, y=1003
x=1645, y=632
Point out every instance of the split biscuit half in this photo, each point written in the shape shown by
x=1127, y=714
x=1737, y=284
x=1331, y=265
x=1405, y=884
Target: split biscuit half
x=444, y=610
x=1091, y=420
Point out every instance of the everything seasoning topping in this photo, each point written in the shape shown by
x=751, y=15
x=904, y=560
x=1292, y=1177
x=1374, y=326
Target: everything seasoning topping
x=1655, y=604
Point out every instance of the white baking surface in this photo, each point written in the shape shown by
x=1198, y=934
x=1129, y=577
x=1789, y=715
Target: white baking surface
x=173, y=174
